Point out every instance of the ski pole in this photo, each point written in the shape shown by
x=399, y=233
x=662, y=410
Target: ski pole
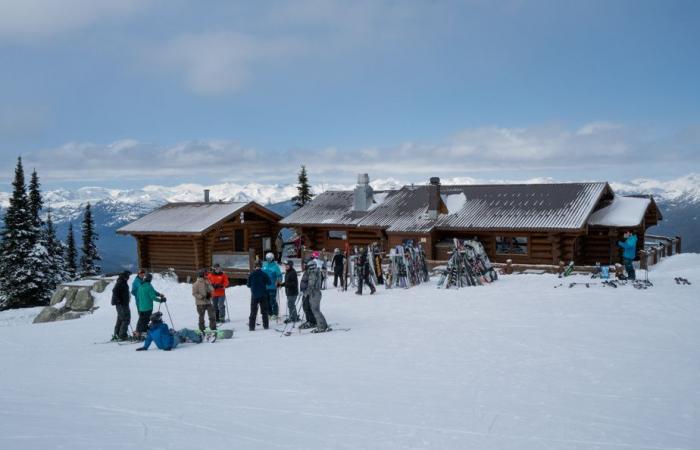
x=169, y=316
x=228, y=312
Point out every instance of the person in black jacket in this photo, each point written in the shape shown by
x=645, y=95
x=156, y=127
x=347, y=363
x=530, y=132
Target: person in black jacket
x=338, y=264
x=365, y=274
x=257, y=282
x=120, y=299
x=291, y=289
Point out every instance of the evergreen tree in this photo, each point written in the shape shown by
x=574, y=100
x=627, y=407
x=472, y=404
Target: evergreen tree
x=56, y=269
x=89, y=249
x=21, y=253
x=71, y=254
x=304, y=194
x=35, y=200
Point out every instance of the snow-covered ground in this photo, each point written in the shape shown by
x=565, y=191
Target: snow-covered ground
x=515, y=365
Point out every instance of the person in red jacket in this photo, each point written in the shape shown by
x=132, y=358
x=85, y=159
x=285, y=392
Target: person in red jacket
x=219, y=281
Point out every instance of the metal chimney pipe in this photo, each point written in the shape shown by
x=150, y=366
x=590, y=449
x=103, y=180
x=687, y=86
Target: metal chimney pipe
x=206, y=196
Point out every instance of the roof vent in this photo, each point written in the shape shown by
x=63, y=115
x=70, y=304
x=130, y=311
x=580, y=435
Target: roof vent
x=206, y=196
x=433, y=198
x=362, y=196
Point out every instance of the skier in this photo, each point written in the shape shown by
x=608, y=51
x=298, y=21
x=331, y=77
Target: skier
x=137, y=284
x=219, y=281
x=145, y=298
x=629, y=246
x=338, y=264
x=313, y=291
x=275, y=275
x=201, y=291
x=291, y=289
x=258, y=282
x=364, y=274
x=165, y=338
x=305, y=303
x=120, y=299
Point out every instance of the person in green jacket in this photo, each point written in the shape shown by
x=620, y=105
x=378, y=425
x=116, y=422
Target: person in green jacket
x=137, y=284
x=145, y=297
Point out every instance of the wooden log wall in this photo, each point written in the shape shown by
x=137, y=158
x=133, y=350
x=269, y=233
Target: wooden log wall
x=317, y=238
x=178, y=252
x=395, y=239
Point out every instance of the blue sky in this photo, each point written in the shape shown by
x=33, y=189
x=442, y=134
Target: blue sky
x=132, y=92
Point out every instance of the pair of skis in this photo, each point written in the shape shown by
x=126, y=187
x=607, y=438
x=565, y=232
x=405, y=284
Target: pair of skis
x=680, y=280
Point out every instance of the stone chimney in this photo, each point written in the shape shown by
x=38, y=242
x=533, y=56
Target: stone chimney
x=206, y=196
x=433, y=197
x=362, y=199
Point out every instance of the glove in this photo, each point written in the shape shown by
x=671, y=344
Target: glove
x=141, y=349
x=163, y=299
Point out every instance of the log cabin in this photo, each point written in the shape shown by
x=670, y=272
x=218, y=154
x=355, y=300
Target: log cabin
x=190, y=236
x=525, y=223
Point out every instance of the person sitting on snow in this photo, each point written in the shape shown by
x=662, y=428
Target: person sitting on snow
x=629, y=246
x=164, y=337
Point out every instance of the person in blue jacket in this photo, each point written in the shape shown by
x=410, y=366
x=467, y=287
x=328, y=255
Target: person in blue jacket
x=258, y=282
x=629, y=247
x=165, y=338
x=272, y=269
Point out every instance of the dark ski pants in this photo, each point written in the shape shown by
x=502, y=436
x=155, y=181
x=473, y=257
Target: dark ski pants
x=629, y=267
x=338, y=276
x=264, y=304
x=307, y=310
x=315, y=304
x=292, y=307
x=219, y=308
x=272, y=307
x=209, y=309
x=121, y=328
x=366, y=280
x=144, y=318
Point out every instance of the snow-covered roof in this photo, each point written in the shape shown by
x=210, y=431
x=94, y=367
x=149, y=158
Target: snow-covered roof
x=622, y=212
x=183, y=218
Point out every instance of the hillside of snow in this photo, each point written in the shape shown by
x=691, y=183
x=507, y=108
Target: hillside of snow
x=518, y=364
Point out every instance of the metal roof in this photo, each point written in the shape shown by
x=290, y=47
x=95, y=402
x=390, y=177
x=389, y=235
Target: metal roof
x=551, y=207
x=183, y=218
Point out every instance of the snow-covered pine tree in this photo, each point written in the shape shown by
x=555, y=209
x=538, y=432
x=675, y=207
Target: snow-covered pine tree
x=304, y=194
x=71, y=254
x=36, y=203
x=89, y=257
x=21, y=254
x=56, y=271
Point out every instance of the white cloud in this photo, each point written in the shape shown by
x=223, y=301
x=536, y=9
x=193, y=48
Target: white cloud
x=34, y=19
x=477, y=150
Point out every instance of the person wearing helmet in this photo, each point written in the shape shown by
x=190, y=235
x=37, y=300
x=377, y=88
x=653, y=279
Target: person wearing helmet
x=201, y=291
x=313, y=293
x=219, y=282
x=274, y=273
x=164, y=337
x=338, y=264
x=120, y=299
x=258, y=282
x=145, y=298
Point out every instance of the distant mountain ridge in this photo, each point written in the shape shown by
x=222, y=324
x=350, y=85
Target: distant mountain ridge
x=679, y=200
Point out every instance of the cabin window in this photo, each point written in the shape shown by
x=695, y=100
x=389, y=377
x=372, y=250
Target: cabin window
x=511, y=245
x=338, y=234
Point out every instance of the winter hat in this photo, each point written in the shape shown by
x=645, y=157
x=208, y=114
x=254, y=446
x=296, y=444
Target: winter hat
x=316, y=254
x=201, y=273
x=269, y=256
x=337, y=250
x=149, y=278
x=126, y=274
x=290, y=263
x=157, y=317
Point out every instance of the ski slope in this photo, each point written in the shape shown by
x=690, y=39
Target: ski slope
x=514, y=365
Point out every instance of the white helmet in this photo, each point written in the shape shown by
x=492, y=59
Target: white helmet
x=270, y=256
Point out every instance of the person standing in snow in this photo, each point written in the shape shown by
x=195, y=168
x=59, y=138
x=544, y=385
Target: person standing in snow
x=258, y=282
x=305, y=303
x=629, y=247
x=202, y=292
x=120, y=299
x=145, y=298
x=219, y=282
x=275, y=275
x=313, y=291
x=338, y=265
x=364, y=274
x=291, y=289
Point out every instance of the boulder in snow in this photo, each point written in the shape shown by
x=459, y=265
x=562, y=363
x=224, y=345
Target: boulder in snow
x=48, y=314
x=70, y=296
x=58, y=295
x=83, y=300
x=100, y=286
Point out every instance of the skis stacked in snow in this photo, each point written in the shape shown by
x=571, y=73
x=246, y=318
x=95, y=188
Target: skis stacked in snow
x=469, y=265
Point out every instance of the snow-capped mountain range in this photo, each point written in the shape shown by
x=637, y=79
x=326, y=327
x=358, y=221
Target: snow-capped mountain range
x=679, y=200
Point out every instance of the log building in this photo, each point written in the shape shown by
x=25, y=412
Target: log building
x=191, y=236
x=526, y=223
